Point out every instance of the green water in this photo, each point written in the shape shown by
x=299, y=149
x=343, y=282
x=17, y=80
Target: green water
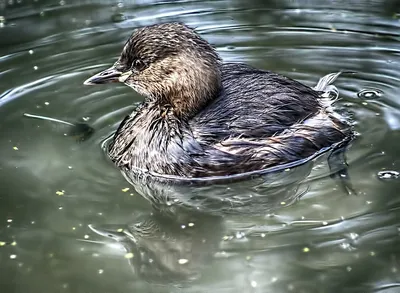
x=291, y=233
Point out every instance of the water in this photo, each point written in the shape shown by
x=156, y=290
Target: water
x=71, y=222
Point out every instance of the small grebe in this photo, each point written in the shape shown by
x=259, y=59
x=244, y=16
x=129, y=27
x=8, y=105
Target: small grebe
x=202, y=117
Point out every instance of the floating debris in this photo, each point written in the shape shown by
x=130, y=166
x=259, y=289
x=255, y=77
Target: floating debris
x=60, y=192
x=13, y=256
x=2, y=243
x=125, y=189
x=15, y=148
x=81, y=131
x=306, y=249
x=385, y=175
x=30, y=52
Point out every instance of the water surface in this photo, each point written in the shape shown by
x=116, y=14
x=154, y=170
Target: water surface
x=71, y=222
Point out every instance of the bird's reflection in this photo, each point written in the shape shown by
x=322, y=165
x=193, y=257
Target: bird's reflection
x=161, y=249
x=185, y=230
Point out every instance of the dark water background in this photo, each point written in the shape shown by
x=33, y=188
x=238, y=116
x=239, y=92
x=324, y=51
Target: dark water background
x=287, y=234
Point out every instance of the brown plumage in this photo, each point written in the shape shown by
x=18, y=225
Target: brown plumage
x=202, y=117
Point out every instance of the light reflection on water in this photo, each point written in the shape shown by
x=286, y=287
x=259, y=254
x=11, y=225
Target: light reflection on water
x=293, y=235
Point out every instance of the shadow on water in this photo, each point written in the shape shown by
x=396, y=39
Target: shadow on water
x=70, y=222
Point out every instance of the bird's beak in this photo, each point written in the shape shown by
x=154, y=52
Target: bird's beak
x=107, y=76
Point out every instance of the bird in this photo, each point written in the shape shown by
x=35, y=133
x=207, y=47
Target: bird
x=202, y=117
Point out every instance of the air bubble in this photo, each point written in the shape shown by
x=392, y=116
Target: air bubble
x=385, y=175
x=370, y=94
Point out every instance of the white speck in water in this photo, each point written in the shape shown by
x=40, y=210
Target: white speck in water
x=9, y=220
x=183, y=226
x=46, y=103
x=253, y=284
x=262, y=235
x=70, y=167
x=120, y=4
x=348, y=269
x=101, y=271
x=13, y=256
x=290, y=287
x=86, y=119
x=183, y=261
x=60, y=208
x=385, y=175
x=2, y=21
x=353, y=236
x=35, y=67
x=95, y=255
x=62, y=2
x=324, y=223
x=239, y=235
x=30, y=52
x=274, y=279
x=86, y=236
x=129, y=255
x=191, y=224
x=33, y=222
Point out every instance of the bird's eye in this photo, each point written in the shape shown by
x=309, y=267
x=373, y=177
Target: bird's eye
x=138, y=64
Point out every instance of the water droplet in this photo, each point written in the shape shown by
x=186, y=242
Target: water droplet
x=384, y=175
x=370, y=94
